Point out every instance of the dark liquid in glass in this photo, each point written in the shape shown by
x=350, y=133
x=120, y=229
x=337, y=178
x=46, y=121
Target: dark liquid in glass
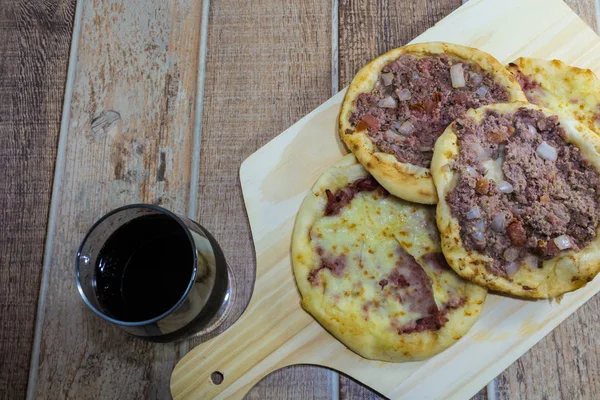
x=144, y=268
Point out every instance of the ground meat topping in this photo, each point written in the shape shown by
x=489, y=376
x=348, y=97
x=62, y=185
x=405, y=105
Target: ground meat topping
x=414, y=100
x=342, y=197
x=411, y=286
x=541, y=196
x=335, y=265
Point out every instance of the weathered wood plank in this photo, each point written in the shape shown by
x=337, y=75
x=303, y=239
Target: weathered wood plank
x=368, y=29
x=129, y=140
x=586, y=9
x=33, y=66
x=566, y=364
x=268, y=64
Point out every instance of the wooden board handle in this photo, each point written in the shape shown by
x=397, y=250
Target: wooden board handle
x=251, y=348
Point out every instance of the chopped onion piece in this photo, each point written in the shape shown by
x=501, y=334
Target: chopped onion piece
x=478, y=236
x=480, y=225
x=387, y=102
x=505, y=187
x=471, y=171
x=530, y=132
x=511, y=268
x=482, y=91
x=392, y=136
x=425, y=149
x=457, y=75
x=511, y=254
x=387, y=78
x=482, y=153
x=518, y=210
x=498, y=223
x=406, y=128
x=404, y=94
x=547, y=152
x=531, y=262
x=474, y=213
x=563, y=242
x=476, y=78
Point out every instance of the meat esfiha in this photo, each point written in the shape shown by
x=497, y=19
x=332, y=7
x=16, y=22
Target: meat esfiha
x=518, y=210
x=399, y=103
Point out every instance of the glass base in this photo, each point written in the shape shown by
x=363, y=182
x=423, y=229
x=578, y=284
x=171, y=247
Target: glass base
x=224, y=310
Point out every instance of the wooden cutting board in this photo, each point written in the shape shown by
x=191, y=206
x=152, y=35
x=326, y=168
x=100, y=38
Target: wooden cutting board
x=275, y=332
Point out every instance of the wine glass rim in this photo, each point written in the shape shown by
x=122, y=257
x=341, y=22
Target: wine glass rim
x=187, y=290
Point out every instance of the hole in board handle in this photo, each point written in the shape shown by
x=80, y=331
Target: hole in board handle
x=217, y=377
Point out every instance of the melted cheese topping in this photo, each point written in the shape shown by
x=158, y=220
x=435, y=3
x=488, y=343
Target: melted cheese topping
x=494, y=169
x=368, y=233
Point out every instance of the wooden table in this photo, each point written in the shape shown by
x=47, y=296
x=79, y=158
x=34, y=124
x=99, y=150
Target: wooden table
x=164, y=100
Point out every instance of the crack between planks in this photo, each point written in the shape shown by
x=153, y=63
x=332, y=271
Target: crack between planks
x=55, y=198
x=198, y=115
x=334, y=47
x=597, y=14
x=192, y=212
x=334, y=376
x=492, y=389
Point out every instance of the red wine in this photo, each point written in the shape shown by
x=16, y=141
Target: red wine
x=144, y=268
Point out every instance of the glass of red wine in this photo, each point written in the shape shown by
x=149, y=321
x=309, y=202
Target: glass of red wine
x=159, y=276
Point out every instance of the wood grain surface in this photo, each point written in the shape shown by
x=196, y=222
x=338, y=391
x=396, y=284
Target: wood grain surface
x=34, y=48
x=368, y=29
x=588, y=11
x=129, y=139
x=268, y=64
